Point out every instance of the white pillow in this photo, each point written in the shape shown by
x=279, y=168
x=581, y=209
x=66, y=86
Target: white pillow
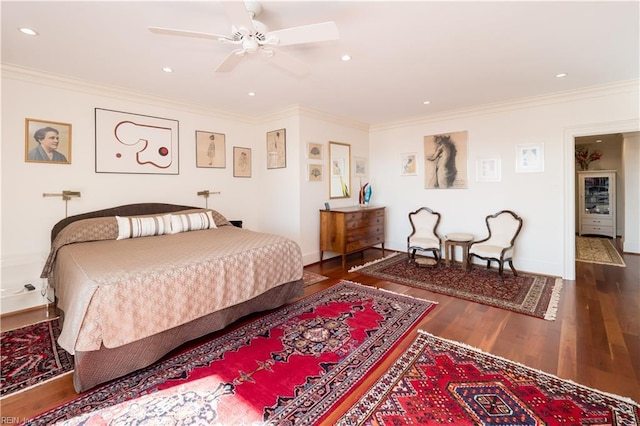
x=192, y=222
x=134, y=227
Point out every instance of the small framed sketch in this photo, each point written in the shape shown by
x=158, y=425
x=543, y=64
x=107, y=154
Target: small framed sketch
x=47, y=142
x=277, y=149
x=530, y=158
x=210, y=150
x=241, y=162
x=314, y=151
x=488, y=170
x=337, y=167
x=408, y=164
x=359, y=166
x=314, y=172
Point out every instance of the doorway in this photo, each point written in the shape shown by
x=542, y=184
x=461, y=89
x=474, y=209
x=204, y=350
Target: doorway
x=626, y=128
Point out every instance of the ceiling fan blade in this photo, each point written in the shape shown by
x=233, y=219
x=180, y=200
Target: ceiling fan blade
x=306, y=34
x=186, y=33
x=238, y=15
x=230, y=62
x=289, y=63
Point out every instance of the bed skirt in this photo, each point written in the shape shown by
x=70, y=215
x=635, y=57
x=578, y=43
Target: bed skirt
x=95, y=367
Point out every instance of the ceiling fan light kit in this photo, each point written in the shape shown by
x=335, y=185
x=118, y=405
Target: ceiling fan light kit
x=253, y=36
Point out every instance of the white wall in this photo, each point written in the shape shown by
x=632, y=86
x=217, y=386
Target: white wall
x=539, y=198
x=317, y=128
x=631, y=167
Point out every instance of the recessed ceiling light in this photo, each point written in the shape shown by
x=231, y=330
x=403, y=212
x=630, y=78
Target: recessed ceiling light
x=251, y=93
x=167, y=69
x=598, y=140
x=426, y=102
x=561, y=75
x=28, y=31
x=345, y=58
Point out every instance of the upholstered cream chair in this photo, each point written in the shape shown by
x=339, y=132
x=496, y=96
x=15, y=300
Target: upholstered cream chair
x=424, y=236
x=503, y=227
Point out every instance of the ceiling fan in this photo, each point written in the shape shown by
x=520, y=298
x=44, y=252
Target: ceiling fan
x=252, y=36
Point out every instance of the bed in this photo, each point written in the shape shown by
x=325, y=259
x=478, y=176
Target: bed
x=136, y=281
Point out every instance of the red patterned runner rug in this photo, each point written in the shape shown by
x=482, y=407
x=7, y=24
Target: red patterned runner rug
x=30, y=356
x=290, y=366
x=535, y=295
x=437, y=381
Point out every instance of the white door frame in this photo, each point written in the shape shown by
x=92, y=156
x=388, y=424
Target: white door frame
x=570, y=134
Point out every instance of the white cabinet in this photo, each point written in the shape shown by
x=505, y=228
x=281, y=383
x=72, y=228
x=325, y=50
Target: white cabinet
x=597, y=198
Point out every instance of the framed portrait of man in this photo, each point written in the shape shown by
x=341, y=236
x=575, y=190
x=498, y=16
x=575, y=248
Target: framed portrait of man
x=47, y=141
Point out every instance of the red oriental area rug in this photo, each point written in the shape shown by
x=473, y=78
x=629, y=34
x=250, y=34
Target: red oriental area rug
x=290, y=366
x=535, y=295
x=436, y=381
x=30, y=356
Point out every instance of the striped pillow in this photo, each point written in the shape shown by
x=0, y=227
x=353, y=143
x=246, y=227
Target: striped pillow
x=135, y=226
x=192, y=222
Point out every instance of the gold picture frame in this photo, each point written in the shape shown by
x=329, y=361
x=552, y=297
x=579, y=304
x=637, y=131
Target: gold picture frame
x=445, y=160
x=277, y=149
x=314, y=172
x=314, y=151
x=210, y=150
x=47, y=141
x=241, y=162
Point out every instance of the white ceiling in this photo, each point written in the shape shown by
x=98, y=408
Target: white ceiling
x=452, y=53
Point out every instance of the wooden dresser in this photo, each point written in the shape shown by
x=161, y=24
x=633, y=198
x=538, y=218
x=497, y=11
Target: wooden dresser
x=350, y=229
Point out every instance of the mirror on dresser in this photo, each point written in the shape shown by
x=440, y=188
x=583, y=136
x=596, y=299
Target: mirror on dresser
x=339, y=170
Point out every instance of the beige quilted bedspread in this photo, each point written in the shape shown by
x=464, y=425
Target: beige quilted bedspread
x=119, y=291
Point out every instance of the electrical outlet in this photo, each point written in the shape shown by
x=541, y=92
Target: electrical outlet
x=29, y=287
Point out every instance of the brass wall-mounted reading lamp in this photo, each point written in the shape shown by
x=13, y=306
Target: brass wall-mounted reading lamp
x=205, y=193
x=66, y=196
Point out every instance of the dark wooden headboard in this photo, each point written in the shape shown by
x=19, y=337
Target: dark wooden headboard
x=125, y=210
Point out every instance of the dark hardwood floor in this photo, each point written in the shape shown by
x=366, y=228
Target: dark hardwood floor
x=595, y=340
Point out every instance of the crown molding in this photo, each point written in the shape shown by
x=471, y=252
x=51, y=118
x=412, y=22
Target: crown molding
x=302, y=111
x=522, y=103
x=33, y=76
x=29, y=75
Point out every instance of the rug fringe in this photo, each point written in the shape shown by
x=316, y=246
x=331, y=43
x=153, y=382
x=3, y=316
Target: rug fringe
x=473, y=348
x=623, y=265
x=390, y=291
x=552, y=309
x=355, y=268
x=407, y=295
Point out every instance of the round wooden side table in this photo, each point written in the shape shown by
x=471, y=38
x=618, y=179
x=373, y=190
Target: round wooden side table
x=458, y=239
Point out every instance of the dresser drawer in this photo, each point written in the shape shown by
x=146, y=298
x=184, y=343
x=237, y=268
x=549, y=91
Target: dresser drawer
x=364, y=222
x=598, y=230
x=364, y=233
x=364, y=242
x=597, y=222
x=364, y=214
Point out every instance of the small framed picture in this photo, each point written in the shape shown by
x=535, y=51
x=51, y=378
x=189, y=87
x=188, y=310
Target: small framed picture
x=409, y=164
x=314, y=172
x=47, y=141
x=337, y=167
x=241, y=162
x=488, y=170
x=359, y=166
x=314, y=151
x=210, y=150
x=530, y=158
x=277, y=149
